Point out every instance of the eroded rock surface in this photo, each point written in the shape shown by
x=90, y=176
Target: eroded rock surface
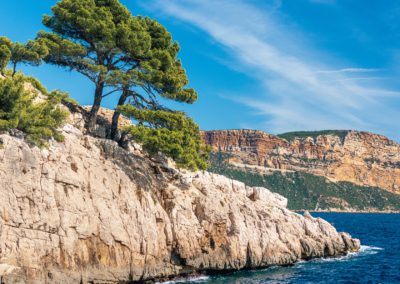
x=360, y=157
x=88, y=211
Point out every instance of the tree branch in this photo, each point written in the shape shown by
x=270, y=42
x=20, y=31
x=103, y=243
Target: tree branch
x=119, y=60
x=79, y=71
x=111, y=92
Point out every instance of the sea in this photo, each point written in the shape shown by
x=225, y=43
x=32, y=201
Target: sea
x=378, y=260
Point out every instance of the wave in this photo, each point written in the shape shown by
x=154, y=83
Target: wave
x=364, y=251
x=190, y=279
x=371, y=247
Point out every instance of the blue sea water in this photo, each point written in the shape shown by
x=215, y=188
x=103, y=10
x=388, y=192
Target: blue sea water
x=378, y=261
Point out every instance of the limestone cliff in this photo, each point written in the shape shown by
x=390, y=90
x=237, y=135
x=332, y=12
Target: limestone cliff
x=360, y=157
x=88, y=211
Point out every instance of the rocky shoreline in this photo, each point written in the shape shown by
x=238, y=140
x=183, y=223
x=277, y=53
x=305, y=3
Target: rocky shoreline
x=199, y=275
x=89, y=211
x=342, y=211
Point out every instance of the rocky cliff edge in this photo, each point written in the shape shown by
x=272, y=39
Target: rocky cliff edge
x=89, y=211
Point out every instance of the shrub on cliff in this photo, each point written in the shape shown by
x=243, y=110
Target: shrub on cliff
x=173, y=133
x=38, y=121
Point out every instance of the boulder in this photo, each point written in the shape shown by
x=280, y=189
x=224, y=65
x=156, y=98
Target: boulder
x=261, y=193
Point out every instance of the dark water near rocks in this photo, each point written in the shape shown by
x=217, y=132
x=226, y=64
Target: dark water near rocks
x=378, y=261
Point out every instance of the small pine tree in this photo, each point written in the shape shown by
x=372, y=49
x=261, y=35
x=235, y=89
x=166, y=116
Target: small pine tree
x=39, y=121
x=30, y=53
x=172, y=133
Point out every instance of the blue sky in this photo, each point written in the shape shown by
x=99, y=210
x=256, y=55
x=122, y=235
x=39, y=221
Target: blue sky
x=276, y=66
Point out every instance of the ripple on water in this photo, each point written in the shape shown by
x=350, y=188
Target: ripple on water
x=190, y=280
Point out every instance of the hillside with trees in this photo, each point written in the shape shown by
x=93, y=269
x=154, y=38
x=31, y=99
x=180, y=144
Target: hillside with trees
x=307, y=191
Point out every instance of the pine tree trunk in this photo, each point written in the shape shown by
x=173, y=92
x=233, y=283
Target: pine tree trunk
x=114, y=124
x=15, y=70
x=91, y=127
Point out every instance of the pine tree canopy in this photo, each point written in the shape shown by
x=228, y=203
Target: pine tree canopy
x=30, y=53
x=104, y=42
x=172, y=133
x=38, y=121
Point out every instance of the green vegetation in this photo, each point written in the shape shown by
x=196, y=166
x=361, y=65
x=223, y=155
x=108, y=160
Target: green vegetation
x=304, y=134
x=304, y=190
x=219, y=162
x=386, y=163
x=58, y=94
x=133, y=55
x=30, y=53
x=38, y=121
x=172, y=133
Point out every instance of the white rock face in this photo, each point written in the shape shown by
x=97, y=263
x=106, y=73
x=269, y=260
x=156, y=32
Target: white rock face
x=260, y=193
x=87, y=211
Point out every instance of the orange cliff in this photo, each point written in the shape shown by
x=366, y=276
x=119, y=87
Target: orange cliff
x=360, y=157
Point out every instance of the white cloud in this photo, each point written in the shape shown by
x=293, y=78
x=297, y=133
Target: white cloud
x=360, y=78
x=358, y=70
x=351, y=70
x=299, y=95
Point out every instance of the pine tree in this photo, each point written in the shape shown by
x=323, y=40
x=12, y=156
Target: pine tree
x=29, y=53
x=104, y=42
x=136, y=57
x=160, y=76
x=93, y=38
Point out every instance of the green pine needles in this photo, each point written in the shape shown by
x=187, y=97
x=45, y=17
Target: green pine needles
x=103, y=41
x=135, y=57
x=172, y=133
x=38, y=121
x=29, y=53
